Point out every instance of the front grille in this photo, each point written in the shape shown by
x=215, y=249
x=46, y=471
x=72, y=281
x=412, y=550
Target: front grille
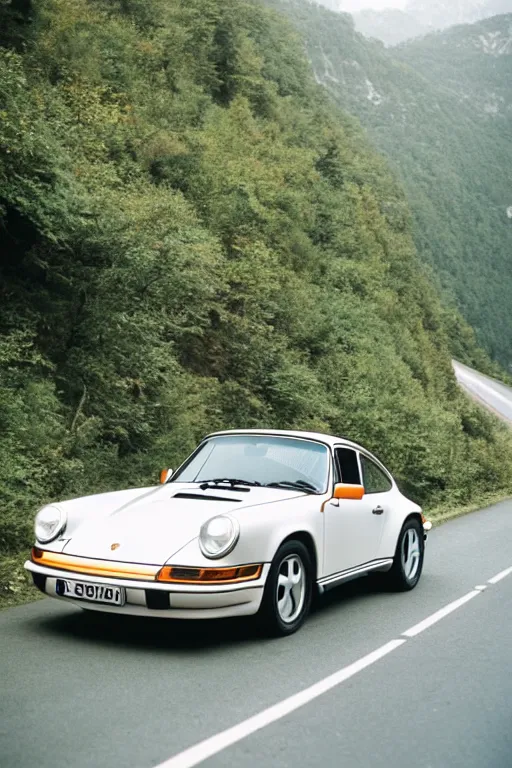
x=157, y=600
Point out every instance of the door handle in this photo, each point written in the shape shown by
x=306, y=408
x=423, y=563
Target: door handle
x=378, y=511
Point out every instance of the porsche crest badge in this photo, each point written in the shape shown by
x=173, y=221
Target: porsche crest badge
x=114, y=546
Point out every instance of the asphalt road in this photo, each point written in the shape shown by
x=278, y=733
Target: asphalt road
x=75, y=691
x=491, y=393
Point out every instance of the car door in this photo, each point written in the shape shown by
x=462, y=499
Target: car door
x=378, y=492
x=352, y=533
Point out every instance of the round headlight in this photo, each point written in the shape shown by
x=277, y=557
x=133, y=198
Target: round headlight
x=218, y=536
x=49, y=522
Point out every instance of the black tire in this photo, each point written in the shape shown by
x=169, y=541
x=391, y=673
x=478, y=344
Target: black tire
x=269, y=616
x=397, y=578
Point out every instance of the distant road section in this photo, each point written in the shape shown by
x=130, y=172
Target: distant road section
x=489, y=392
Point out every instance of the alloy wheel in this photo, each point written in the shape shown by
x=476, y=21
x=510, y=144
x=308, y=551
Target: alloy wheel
x=291, y=588
x=411, y=553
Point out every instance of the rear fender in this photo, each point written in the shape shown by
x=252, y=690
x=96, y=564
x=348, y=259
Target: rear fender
x=393, y=528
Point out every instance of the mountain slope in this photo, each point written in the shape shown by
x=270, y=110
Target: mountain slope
x=440, y=14
x=194, y=238
x=420, y=17
x=473, y=62
x=453, y=153
x=391, y=25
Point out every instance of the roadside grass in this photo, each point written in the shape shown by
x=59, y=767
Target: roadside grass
x=16, y=586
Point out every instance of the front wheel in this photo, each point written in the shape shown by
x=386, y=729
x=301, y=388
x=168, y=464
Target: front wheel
x=287, y=597
x=408, y=562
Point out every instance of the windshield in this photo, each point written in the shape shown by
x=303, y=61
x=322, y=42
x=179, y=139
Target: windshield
x=259, y=459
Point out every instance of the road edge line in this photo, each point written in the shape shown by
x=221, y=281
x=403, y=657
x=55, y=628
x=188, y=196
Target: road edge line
x=220, y=741
x=212, y=745
x=440, y=614
x=501, y=575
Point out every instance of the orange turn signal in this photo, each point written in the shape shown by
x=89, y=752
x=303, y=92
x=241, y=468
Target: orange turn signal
x=180, y=575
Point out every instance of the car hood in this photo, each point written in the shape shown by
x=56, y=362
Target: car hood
x=153, y=526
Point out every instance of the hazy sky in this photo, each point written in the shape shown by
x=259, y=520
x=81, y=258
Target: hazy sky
x=357, y=5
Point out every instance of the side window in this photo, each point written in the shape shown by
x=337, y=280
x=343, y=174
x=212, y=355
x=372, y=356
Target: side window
x=347, y=466
x=374, y=479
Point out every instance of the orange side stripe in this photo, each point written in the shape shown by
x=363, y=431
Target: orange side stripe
x=95, y=567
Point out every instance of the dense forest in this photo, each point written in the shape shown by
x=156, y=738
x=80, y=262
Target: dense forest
x=474, y=63
x=439, y=107
x=193, y=238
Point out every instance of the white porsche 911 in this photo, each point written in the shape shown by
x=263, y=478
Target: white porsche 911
x=251, y=523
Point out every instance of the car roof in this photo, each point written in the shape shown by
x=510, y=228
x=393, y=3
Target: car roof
x=320, y=437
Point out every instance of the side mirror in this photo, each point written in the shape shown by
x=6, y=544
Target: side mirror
x=348, y=491
x=165, y=475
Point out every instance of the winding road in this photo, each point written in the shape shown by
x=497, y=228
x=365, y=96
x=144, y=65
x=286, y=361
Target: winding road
x=492, y=394
x=374, y=679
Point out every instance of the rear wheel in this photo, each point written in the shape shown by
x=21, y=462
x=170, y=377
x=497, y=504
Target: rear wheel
x=287, y=597
x=408, y=561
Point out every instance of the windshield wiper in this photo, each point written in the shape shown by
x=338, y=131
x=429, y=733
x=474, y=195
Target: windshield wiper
x=232, y=481
x=299, y=485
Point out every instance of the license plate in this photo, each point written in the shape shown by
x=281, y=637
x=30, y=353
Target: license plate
x=93, y=593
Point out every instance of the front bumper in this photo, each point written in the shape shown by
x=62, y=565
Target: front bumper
x=160, y=600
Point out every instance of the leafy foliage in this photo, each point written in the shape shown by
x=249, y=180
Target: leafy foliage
x=193, y=238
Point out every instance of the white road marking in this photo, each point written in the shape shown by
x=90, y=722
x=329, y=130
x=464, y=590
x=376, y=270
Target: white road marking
x=438, y=615
x=500, y=576
x=220, y=741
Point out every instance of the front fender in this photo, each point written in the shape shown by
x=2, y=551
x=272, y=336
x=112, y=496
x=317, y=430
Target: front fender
x=262, y=531
x=87, y=509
